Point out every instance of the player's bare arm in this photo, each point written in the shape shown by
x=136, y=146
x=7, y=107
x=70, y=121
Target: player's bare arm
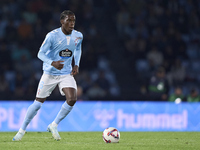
x=57, y=64
x=75, y=70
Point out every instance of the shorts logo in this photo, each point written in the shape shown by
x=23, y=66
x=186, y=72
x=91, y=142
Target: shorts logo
x=41, y=84
x=65, y=53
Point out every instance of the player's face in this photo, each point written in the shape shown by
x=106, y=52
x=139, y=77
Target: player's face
x=68, y=24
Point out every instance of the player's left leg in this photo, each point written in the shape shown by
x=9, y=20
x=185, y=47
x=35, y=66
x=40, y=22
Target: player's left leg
x=71, y=97
x=64, y=111
x=68, y=88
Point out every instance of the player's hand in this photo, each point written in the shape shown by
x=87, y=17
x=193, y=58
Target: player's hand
x=75, y=70
x=57, y=64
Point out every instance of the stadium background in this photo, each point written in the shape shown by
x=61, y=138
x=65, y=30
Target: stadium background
x=125, y=43
x=121, y=41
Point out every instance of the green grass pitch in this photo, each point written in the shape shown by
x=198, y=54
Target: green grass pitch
x=94, y=141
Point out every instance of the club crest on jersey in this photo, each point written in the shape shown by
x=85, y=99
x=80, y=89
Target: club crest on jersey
x=76, y=42
x=65, y=53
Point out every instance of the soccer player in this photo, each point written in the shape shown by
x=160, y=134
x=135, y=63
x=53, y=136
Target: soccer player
x=57, y=51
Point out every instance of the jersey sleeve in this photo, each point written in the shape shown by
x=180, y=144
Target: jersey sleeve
x=44, y=48
x=78, y=51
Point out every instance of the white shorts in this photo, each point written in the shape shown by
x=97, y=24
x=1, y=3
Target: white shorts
x=48, y=83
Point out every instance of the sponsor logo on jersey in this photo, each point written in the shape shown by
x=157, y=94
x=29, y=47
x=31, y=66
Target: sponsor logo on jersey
x=65, y=53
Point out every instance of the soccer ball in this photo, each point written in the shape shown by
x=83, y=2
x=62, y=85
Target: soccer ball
x=111, y=135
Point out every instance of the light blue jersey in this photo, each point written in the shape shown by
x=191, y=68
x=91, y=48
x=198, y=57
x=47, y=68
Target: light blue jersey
x=58, y=46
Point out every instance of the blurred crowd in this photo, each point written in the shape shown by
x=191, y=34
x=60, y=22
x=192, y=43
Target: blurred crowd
x=161, y=42
x=157, y=40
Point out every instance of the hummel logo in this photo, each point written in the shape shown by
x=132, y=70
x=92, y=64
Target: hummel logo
x=104, y=116
x=59, y=42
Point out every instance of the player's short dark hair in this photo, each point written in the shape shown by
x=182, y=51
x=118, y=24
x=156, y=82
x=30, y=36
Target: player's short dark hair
x=65, y=13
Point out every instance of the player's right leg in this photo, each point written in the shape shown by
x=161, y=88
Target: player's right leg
x=46, y=85
x=31, y=112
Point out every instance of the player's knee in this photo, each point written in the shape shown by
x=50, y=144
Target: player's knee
x=40, y=99
x=71, y=101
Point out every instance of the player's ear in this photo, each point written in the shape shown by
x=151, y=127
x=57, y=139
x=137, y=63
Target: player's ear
x=62, y=21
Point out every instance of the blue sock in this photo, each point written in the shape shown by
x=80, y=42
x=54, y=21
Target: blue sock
x=31, y=112
x=64, y=111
